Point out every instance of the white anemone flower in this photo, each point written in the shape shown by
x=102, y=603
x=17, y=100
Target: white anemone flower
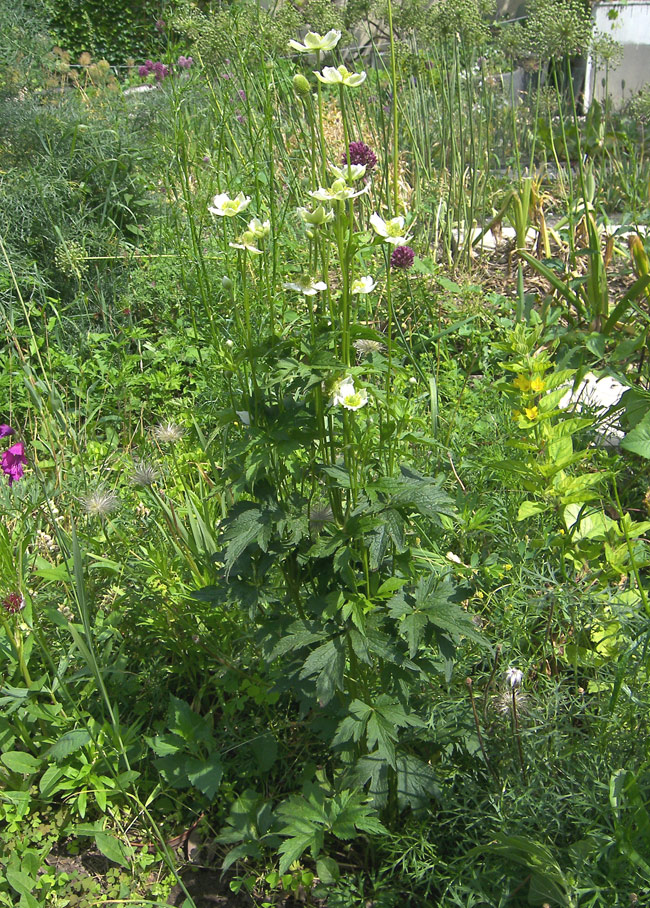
x=340, y=75
x=391, y=231
x=339, y=191
x=307, y=286
x=259, y=229
x=315, y=42
x=224, y=206
x=363, y=284
x=350, y=174
x=317, y=217
x=247, y=241
x=346, y=395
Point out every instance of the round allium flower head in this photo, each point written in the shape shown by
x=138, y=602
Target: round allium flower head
x=402, y=257
x=14, y=602
x=360, y=153
x=143, y=71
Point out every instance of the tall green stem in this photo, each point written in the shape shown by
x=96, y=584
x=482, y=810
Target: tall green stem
x=393, y=79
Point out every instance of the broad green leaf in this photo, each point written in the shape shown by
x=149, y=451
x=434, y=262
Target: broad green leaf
x=292, y=849
x=20, y=762
x=20, y=882
x=48, y=781
x=69, y=742
x=205, y=775
x=374, y=769
x=417, y=783
x=112, y=848
x=638, y=439
x=530, y=509
x=328, y=663
x=327, y=870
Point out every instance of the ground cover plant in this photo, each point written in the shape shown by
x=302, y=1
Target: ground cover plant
x=323, y=556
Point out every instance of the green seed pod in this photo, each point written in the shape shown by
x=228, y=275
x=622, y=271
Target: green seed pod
x=300, y=85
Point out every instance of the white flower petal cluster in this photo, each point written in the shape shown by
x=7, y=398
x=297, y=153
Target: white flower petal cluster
x=392, y=231
x=339, y=191
x=224, y=206
x=258, y=229
x=317, y=217
x=315, y=42
x=340, y=75
x=350, y=174
x=363, y=284
x=514, y=677
x=247, y=241
x=307, y=286
x=345, y=395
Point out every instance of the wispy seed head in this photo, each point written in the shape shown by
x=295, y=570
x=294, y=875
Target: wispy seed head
x=168, y=433
x=100, y=503
x=143, y=474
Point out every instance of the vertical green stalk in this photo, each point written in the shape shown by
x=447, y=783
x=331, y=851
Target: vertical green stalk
x=323, y=156
x=393, y=79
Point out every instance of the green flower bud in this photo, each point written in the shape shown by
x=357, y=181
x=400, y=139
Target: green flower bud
x=226, y=283
x=300, y=85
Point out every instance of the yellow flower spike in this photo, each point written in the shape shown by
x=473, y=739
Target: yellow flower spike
x=531, y=412
x=537, y=384
x=522, y=383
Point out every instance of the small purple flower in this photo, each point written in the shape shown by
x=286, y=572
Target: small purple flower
x=13, y=462
x=143, y=71
x=402, y=257
x=160, y=25
x=5, y=430
x=240, y=118
x=149, y=64
x=226, y=76
x=360, y=153
x=206, y=158
x=242, y=94
x=185, y=62
x=13, y=603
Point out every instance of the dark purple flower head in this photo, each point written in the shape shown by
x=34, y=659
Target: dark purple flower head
x=143, y=71
x=148, y=64
x=185, y=62
x=5, y=430
x=13, y=603
x=13, y=462
x=360, y=153
x=402, y=257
